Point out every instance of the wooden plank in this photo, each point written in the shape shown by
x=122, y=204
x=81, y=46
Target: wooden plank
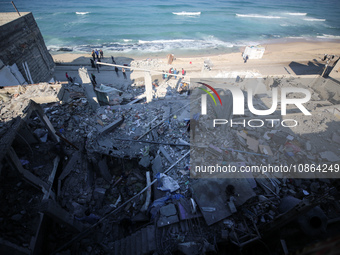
x=70, y=165
x=51, y=177
x=31, y=178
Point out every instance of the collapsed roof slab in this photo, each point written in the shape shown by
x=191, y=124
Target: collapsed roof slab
x=211, y=197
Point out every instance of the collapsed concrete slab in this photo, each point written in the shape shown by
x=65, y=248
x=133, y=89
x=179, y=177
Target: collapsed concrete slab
x=210, y=195
x=89, y=92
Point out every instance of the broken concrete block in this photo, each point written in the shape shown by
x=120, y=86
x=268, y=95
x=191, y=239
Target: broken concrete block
x=111, y=126
x=168, y=210
x=329, y=155
x=145, y=161
x=266, y=150
x=253, y=144
x=157, y=166
x=290, y=137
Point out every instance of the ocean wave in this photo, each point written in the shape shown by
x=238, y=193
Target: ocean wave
x=82, y=13
x=287, y=25
x=314, y=19
x=326, y=36
x=166, y=41
x=297, y=13
x=295, y=37
x=153, y=46
x=187, y=13
x=257, y=16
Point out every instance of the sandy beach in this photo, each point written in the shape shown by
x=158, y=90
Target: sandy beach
x=278, y=59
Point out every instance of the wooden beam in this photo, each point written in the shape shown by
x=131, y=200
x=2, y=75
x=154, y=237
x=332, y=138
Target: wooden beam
x=37, y=108
x=27, y=175
x=51, y=177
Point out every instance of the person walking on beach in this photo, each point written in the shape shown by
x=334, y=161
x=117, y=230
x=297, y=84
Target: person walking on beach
x=175, y=72
x=246, y=58
x=123, y=71
x=94, y=79
x=113, y=60
x=101, y=53
x=93, y=55
x=116, y=69
x=183, y=72
x=97, y=53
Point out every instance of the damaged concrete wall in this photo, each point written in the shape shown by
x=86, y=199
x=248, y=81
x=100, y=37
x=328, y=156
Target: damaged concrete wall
x=21, y=41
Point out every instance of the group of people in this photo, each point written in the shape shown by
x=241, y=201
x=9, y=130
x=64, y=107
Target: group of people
x=172, y=71
x=97, y=54
x=96, y=57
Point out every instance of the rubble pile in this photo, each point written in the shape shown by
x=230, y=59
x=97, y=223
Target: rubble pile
x=118, y=179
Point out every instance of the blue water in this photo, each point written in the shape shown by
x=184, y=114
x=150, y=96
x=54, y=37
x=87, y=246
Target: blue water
x=145, y=27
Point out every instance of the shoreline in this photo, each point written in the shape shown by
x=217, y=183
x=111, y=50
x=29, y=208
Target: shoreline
x=203, y=53
x=275, y=55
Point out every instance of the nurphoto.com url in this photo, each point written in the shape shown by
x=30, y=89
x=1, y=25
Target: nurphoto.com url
x=268, y=168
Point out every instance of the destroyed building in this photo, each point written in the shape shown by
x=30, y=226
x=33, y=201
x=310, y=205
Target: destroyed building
x=24, y=58
x=98, y=171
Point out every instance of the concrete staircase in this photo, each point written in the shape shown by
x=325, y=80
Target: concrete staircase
x=141, y=242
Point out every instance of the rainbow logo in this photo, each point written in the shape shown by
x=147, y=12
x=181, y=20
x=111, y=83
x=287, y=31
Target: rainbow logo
x=213, y=90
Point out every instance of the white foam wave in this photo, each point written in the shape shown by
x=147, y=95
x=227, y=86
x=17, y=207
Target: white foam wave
x=82, y=13
x=297, y=13
x=314, y=19
x=153, y=46
x=326, y=36
x=287, y=25
x=257, y=16
x=187, y=13
x=295, y=37
x=166, y=41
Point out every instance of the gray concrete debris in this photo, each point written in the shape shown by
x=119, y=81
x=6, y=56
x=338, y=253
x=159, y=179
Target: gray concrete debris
x=329, y=156
x=168, y=210
x=145, y=161
x=157, y=166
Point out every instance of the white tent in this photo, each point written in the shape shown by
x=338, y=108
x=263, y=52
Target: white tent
x=254, y=52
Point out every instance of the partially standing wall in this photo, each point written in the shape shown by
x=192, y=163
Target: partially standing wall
x=21, y=42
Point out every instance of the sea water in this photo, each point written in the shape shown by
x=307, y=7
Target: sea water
x=183, y=27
